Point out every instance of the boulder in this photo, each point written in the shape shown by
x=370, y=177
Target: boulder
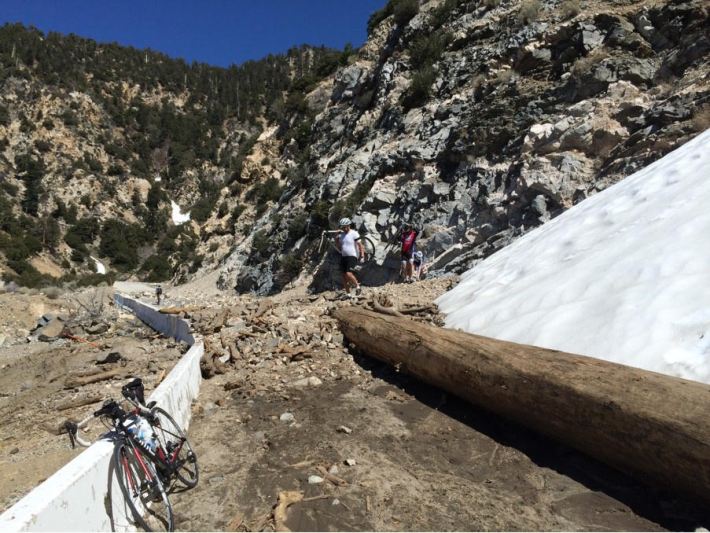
x=51, y=331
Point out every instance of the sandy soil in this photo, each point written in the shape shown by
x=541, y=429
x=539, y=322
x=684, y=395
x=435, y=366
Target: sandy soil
x=33, y=385
x=416, y=458
x=271, y=417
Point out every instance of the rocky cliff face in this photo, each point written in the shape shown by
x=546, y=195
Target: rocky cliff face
x=476, y=121
x=526, y=109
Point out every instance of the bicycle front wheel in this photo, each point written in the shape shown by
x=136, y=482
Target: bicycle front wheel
x=172, y=438
x=143, y=492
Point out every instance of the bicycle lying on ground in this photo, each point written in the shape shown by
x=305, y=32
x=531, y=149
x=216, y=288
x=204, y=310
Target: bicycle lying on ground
x=150, y=453
x=330, y=235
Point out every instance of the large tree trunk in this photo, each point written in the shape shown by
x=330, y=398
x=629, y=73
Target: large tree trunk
x=651, y=425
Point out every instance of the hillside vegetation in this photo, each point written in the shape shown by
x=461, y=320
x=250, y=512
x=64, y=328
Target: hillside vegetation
x=476, y=120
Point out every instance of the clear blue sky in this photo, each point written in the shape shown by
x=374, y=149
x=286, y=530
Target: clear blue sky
x=219, y=32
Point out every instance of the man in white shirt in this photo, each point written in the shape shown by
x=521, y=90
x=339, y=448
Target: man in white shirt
x=348, y=244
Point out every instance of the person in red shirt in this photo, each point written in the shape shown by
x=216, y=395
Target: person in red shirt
x=408, y=238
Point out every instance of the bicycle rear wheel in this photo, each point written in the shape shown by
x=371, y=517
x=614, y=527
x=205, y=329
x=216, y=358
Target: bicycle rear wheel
x=142, y=489
x=170, y=436
x=369, y=247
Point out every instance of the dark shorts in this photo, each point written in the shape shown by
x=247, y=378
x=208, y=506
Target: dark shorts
x=348, y=263
x=406, y=256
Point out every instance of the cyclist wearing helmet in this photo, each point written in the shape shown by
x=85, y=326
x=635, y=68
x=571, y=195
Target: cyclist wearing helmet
x=408, y=238
x=348, y=244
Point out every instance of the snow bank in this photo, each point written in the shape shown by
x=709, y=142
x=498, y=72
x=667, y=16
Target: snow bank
x=622, y=276
x=100, y=268
x=178, y=216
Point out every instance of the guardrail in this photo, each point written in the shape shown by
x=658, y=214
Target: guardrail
x=78, y=496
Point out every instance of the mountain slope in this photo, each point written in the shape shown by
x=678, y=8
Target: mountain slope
x=479, y=122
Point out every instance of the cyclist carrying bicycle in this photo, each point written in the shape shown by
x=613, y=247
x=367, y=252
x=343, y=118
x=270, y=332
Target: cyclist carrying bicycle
x=348, y=244
x=408, y=237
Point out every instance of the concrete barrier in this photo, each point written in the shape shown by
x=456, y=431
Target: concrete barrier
x=168, y=325
x=78, y=497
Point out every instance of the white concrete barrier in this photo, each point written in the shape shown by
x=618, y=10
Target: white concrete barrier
x=78, y=497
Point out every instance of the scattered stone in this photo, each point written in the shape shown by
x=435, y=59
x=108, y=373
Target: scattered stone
x=14, y=451
x=51, y=331
x=333, y=470
x=315, y=480
x=287, y=418
x=336, y=501
x=97, y=329
x=111, y=357
x=303, y=383
x=350, y=462
x=344, y=429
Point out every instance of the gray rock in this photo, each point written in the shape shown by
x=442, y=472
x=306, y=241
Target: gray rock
x=51, y=331
x=111, y=357
x=287, y=418
x=315, y=480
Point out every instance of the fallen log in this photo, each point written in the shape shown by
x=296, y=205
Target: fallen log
x=79, y=381
x=71, y=403
x=653, y=426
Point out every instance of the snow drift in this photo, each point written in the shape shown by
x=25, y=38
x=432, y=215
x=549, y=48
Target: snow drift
x=622, y=276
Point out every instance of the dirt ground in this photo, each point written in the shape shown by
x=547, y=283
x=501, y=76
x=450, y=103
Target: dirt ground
x=410, y=457
x=34, y=390
x=288, y=406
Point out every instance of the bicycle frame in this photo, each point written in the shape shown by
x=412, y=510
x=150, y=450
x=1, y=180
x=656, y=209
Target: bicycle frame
x=161, y=457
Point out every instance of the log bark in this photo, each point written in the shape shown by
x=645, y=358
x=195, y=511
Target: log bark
x=79, y=381
x=653, y=426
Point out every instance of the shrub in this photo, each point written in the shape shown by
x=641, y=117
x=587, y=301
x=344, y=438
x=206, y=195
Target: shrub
x=4, y=116
x=419, y=89
x=260, y=242
x=404, y=11
x=48, y=124
x=427, y=49
x=570, y=8
x=52, y=292
x=490, y=4
x=157, y=267
x=69, y=118
x=237, y=212
x=120, y=242
x=297, y=227
x=43, y=146
x=93, y=163
x=114, y=170
x=529, y=11
x=291, y=266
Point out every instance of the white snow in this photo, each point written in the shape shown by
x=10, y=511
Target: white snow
x=622, y=276
x=178, y=216
x=100, y=268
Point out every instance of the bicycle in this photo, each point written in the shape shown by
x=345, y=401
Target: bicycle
x=150, y=452
x=367, y=244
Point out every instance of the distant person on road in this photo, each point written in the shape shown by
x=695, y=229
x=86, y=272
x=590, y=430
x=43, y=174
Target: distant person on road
x=348, y=244
x=158, y=294
x=409, y=247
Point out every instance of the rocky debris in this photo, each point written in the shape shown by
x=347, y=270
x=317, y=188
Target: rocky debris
x=522, y=122
x=109, y=358
x=51, y=331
